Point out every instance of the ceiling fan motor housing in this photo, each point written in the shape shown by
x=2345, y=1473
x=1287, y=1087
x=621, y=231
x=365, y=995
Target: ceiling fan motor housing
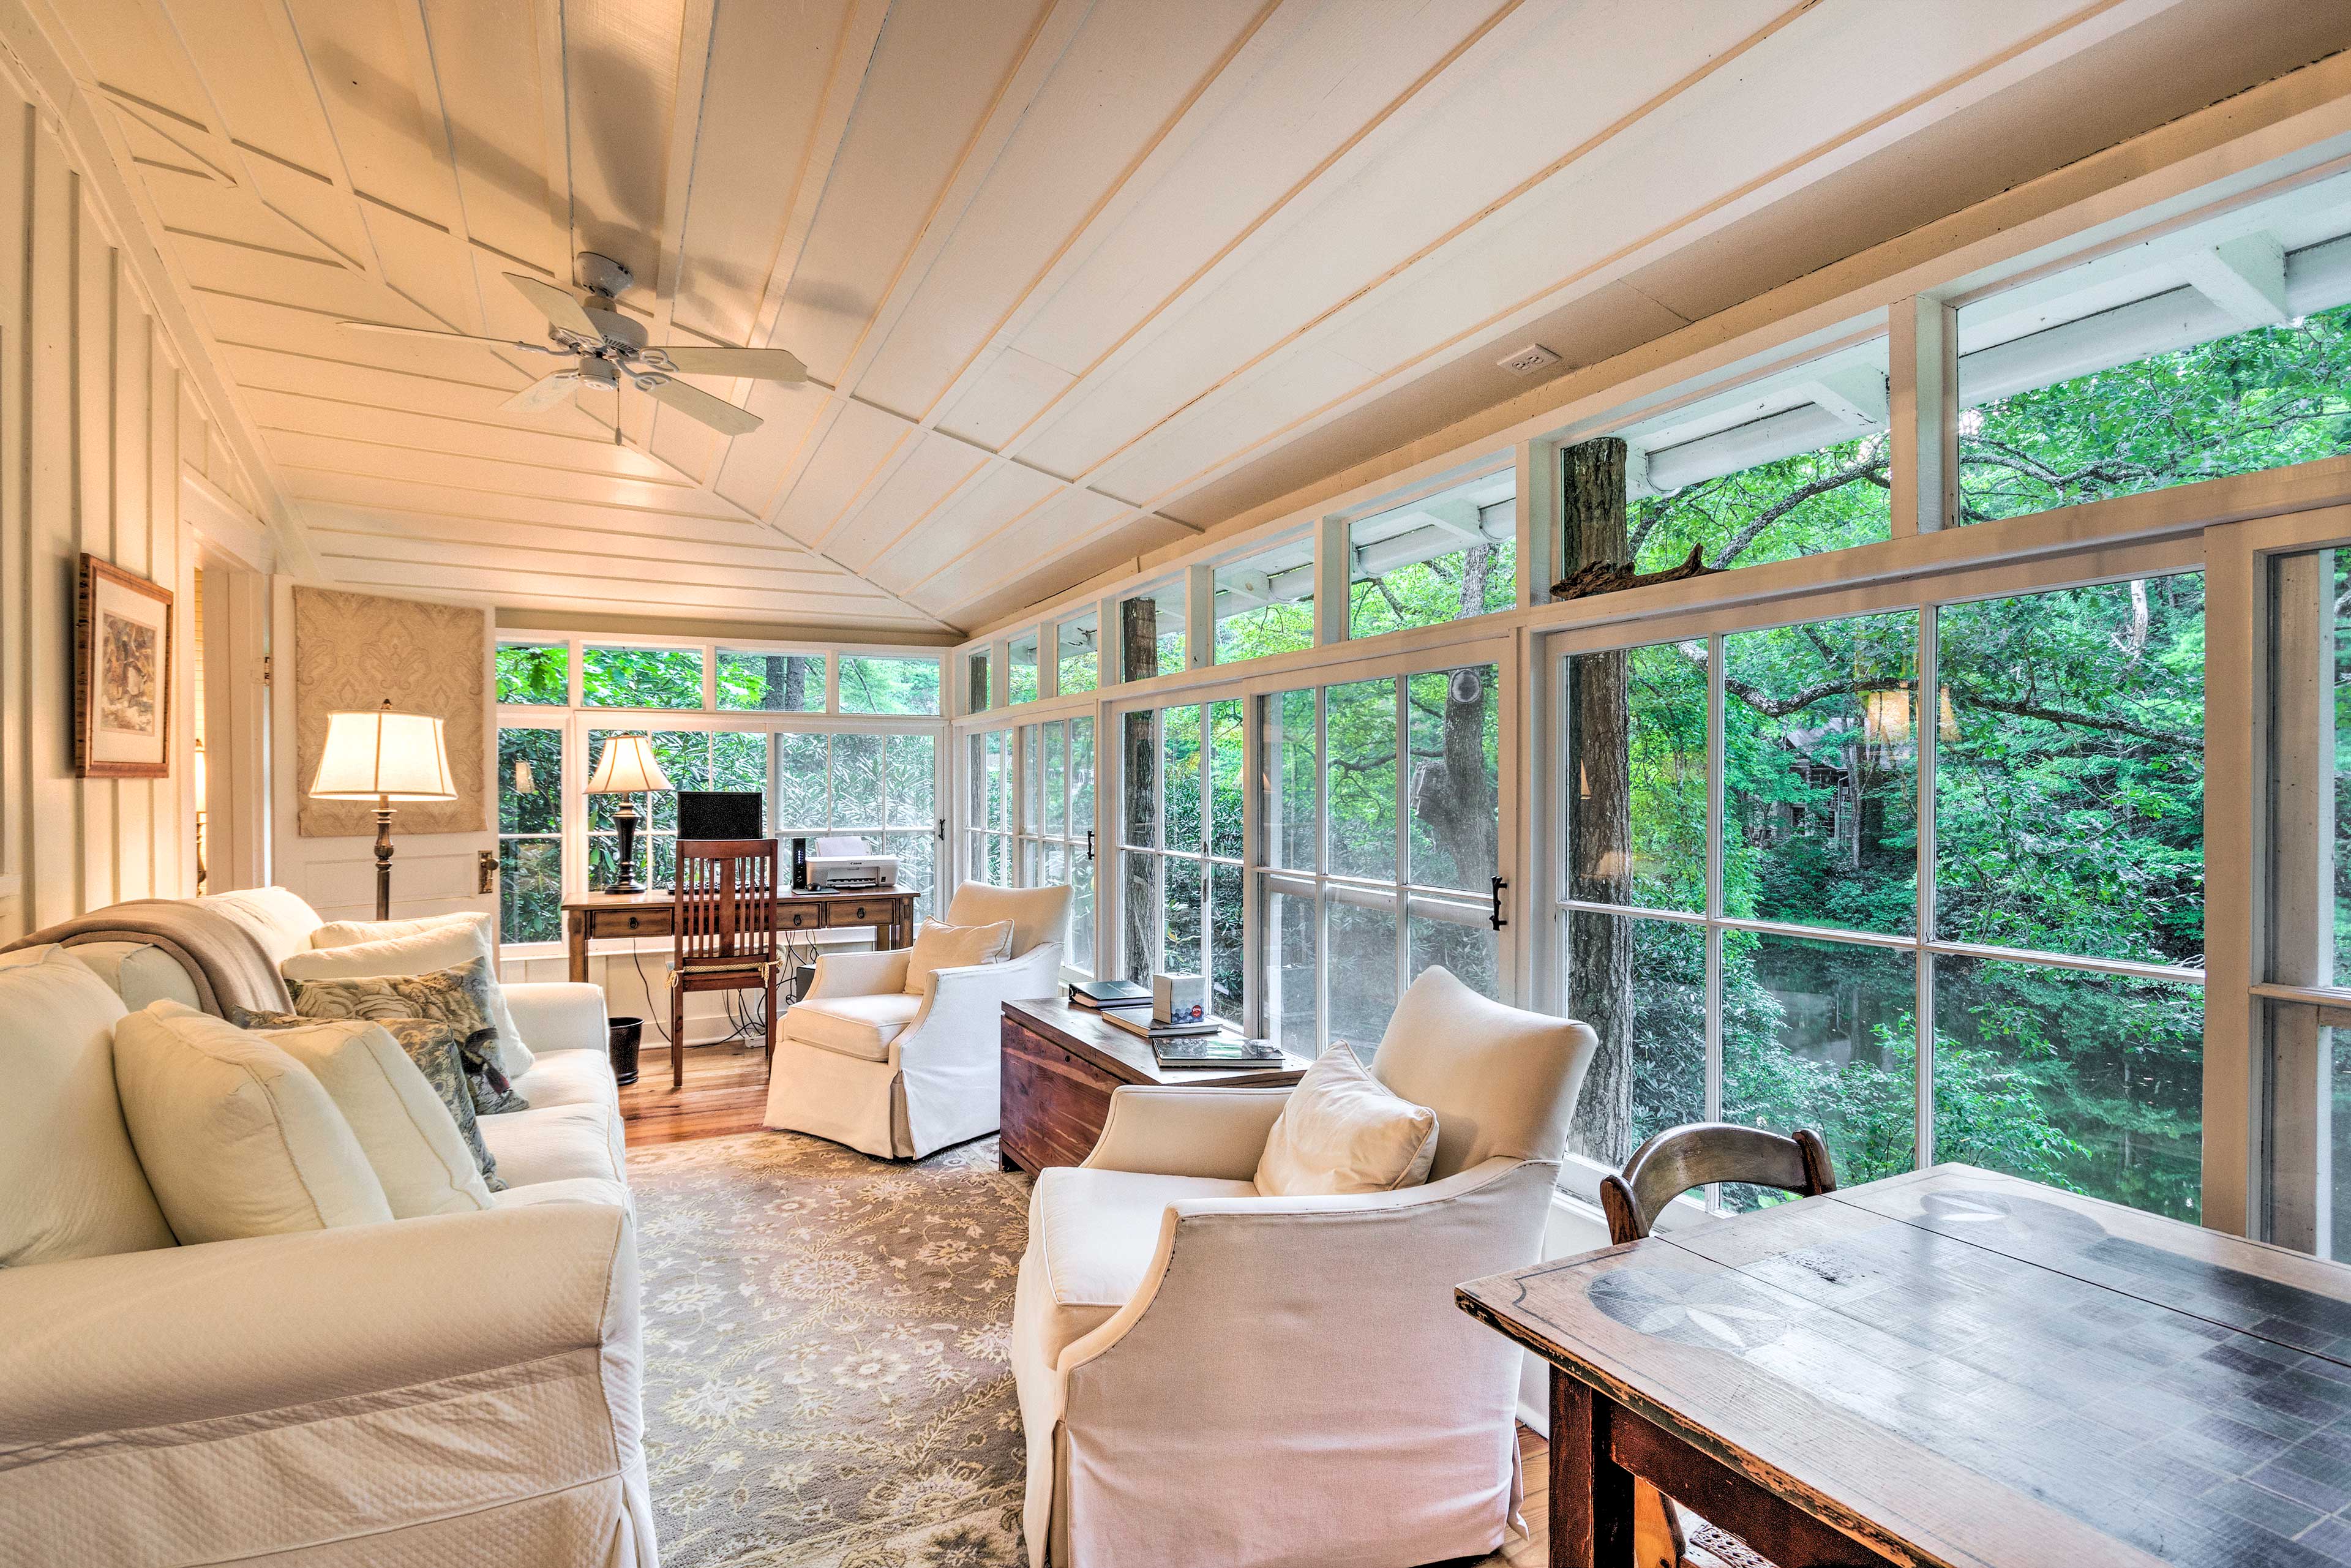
x=602, y=275
x=621, y=331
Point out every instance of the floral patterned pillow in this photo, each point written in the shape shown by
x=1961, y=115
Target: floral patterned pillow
x=458, y=996
x=442, y=1056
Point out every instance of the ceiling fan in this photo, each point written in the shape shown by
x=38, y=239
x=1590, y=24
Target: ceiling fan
x=606, y=347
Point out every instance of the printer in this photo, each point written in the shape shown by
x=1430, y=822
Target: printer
x=845, y=864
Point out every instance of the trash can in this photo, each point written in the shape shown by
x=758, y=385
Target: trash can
x=626, y=1033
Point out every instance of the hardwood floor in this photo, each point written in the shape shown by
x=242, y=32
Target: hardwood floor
x=726, y=1093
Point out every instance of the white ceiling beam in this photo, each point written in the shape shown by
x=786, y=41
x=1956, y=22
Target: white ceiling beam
x=1855, y=395
x=2245, y=276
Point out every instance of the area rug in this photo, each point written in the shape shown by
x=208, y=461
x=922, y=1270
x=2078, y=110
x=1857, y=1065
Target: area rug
x=827, y=1378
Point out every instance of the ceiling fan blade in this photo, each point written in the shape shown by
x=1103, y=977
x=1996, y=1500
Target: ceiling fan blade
x=430, y=332
x=556, y=304
x=760, y=364
x=542, y=394
x=695, y=403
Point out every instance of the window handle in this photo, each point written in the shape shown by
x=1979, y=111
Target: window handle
x=1090, y=846
x=1495, y=919
x=942, y=830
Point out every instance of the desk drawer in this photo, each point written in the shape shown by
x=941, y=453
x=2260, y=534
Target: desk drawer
x=798, y=916
x=654, y=920
x=856, y=911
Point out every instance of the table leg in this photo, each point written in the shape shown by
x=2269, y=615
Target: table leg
x=1591, y=1494
x=576, y=935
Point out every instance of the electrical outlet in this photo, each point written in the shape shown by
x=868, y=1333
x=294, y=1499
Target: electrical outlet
x=1528, y=360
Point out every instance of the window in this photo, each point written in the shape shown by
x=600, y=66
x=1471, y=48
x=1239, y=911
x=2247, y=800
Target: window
x=2053, y=939
x=1442, y=558
x=1793, y=465
x=1181, y=843
x=1021, y=667
x=535, y=673
x=1057, y=825
x=1151, y=632
x=530, y=834
x=770, y=683
x=641, y=677
x=1078, y=644
x=1265, y=604
x=684, y=757
x=1378, y=848
x=873, y=683
x=977, y=669
x=2221, y=352
x=988, y=853
x=876, y=786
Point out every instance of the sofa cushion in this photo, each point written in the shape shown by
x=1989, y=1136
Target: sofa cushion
x=138, y=973
x=279, y=920
x=569, y=1078
x=74, y=1187
x=237, y=1137
x=556, y=1143
x=411, y=1141
x=861, y=1026
x=1344, y=1130
x=1095, y=1232
x=939, y=945
x=571, y=1190
x=458, y=996
x=442, y=943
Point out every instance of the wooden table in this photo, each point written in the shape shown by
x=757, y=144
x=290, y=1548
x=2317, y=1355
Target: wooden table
x=890, y=911
x=1951, y=1367
x=1061, y=1062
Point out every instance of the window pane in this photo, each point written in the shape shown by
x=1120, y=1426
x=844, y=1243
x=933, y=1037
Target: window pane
x=917, y=855
x=998, y=811
x=1265, y=604
x=1055, y=774
x=738, y=761
x=1227, y=956
x=1078, y=647
x=1138, y=821
x=1292, y=805
x=530, y=780
x=1028, y=862
x=1641, y=985
x=1179, y=947
x=2069, y=783
x=1456, y=777
x=1289, y=969
x=530, y=890
x=1820, y=787
x=977, y=667
x=535, y=673
x=1471, y=949
x=1150, y=632
x=1081, y=956
x=1179, y=753
x=875, y=682
x=2090, y=1082
x=913, y=761
x=2069, y=394
x=1440, y=559
x=1020, y=665
x=1227, y=825
x=641, y=677
x=1141, y=910
x=856, y=781
x=1361, y=956
x=801, y=805
x=770, y=683
x=1082, y=776
x=1791, y=465
x=1637, y=770
x=1362, y=778
x=1821, y=1035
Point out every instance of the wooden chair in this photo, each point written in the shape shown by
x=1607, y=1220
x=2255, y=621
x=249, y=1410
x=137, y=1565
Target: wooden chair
x=725, y=925
x=1660, y=1171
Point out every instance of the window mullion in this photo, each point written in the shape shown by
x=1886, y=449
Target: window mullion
x=1403, y=833
x=1925, y=730
x=1715, y=837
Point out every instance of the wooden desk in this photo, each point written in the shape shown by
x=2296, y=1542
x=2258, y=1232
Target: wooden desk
x=890, y=911
x=1948, y=1368
x=1061, y=1062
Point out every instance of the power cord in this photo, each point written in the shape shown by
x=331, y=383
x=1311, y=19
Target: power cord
x=745, y=1011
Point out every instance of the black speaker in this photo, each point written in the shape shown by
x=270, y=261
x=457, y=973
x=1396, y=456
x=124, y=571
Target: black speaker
x=799, y=865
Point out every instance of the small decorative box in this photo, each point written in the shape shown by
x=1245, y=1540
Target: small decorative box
x=1178, y=998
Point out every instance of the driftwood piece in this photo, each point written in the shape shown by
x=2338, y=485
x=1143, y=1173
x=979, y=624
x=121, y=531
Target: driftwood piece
x=1612, y=577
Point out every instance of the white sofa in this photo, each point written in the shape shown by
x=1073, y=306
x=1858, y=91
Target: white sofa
x=1207, y=1374
x=899, y=1074
x=457, y=1389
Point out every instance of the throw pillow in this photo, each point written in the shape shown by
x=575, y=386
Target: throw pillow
x=410, y=1137
x=939, y=945
x=417, y=948
x=237, y=1138
x=448, y=1065
x=1342, y=1131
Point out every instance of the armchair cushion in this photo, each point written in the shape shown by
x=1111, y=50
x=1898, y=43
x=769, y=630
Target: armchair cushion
x=1344, y=1131
x=939, y=945
x=1038, y=914
x=1502, y=1082
x=861, y=1026
x=1096, y=1233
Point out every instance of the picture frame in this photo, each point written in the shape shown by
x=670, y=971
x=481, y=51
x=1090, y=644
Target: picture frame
x=122, y=674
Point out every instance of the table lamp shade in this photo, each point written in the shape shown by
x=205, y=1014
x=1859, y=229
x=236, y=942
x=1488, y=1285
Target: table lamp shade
x=627, y=766
x=383, y=755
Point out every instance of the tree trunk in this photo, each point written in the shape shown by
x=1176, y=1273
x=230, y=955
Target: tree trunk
x=1600, y=837
x=1455, y=799
x=1143, y=882
x=787, y=684
x=1138, y=639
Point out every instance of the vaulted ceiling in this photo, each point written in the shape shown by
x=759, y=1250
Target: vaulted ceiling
x=1074, y=278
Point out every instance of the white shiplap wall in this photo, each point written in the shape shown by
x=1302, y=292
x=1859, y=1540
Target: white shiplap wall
x=95, y=428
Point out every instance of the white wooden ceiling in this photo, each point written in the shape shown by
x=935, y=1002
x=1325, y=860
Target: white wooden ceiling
x=1080, y=277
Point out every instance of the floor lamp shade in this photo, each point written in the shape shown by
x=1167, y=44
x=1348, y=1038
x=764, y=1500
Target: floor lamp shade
x=628, y=766
x=383, y=756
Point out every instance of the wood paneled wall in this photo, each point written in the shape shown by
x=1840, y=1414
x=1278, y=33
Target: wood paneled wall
x=95, y=428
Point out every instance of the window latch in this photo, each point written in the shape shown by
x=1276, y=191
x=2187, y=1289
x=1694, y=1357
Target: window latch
x=1495, y=919
x=942, y=830
x=1090, y=846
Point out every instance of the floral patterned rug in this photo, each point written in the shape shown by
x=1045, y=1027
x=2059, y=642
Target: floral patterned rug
x=827, y=1382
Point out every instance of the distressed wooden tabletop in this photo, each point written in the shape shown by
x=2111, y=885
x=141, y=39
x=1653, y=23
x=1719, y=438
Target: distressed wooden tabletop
x=1958, y=1367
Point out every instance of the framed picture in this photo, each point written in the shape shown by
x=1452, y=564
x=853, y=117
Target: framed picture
x=123, y=674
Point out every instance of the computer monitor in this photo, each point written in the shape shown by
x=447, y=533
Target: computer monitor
x=720, y=815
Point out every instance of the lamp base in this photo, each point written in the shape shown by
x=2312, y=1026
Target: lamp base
x=625, y=819
x=384, y=859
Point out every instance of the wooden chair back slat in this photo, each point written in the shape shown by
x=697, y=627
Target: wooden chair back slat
x=1680, y=1158
x=725, y=913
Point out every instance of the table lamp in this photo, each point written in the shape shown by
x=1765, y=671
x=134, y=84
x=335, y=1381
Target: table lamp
x=627, y=767
x=383, y=756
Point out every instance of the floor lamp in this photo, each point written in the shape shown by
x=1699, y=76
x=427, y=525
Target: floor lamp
x=383, y=756
x=628, y=768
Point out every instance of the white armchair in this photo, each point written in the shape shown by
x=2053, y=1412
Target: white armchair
x=1209, y=1375
x=897, y=1074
